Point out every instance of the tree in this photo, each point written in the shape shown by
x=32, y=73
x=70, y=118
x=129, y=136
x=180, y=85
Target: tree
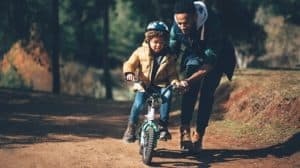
x=106, y=64
x=289, y=9
x=126, y=31
x=55, y=48
x=248, y=37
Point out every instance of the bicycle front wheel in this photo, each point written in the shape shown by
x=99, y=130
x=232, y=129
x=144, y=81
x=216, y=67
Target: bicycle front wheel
x=148, y=147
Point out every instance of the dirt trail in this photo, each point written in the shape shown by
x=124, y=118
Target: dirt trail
x=46, y=131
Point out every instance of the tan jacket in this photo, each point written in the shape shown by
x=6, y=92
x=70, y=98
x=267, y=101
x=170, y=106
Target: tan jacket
x=141, y=63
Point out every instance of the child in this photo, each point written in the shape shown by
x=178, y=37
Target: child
x=156, y=68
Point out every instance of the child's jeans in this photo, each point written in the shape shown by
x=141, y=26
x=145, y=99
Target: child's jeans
x=139, y=101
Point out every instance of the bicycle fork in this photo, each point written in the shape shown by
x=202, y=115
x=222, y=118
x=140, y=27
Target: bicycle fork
x=149, y=123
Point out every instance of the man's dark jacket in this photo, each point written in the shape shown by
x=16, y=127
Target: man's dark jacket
x=217, y=48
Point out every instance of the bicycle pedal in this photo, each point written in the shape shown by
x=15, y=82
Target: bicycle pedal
x=163, y=139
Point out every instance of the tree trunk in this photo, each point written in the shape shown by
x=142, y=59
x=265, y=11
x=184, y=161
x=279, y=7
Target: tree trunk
x=55, y=49
x=243, y=60
x=19, y=19
x=80, y=34
x=106, y=66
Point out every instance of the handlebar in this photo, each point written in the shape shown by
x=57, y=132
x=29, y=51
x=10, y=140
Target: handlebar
x=138, y=86
x=171, y=86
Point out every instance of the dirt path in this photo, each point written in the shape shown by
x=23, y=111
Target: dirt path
x=44, y=131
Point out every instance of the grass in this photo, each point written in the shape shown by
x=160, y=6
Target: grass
x=245, y=132
x=261, y=106
x=285, y=83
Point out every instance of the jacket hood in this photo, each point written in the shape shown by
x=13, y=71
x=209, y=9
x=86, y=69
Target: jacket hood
x=201, y=12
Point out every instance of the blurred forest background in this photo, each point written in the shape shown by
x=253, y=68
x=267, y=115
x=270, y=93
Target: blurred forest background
x=77, y=47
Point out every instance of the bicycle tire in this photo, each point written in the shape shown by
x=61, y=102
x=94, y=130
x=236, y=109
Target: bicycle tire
x=148, y=148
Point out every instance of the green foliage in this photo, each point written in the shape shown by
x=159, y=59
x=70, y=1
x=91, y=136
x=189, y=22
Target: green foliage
x=126, y=30
x=154, y=10
x=237, y=17
x=81, y=31
x=287, y=8
x=11, y=79
x=81, y=24
x=282, y=41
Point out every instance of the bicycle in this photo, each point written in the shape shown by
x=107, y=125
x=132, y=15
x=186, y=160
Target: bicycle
x=149, y=129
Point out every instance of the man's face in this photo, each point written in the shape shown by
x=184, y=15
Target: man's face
x=184, y=22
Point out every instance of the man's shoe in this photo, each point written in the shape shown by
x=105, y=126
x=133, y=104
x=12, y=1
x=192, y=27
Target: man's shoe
x=186, y=145
x=129, y=135
x=197, y=142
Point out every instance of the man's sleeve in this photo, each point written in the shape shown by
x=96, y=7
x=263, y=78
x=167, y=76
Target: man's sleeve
x=172, y=71
x=174, y=44
x=214, y=39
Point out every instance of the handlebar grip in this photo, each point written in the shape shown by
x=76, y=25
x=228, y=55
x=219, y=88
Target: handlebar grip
x=171, y=86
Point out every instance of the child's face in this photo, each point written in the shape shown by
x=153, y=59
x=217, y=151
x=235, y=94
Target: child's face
x=157, y=44
x=184, y=22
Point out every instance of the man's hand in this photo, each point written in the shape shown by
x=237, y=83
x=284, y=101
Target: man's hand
x=197, y=76
x=182, y=86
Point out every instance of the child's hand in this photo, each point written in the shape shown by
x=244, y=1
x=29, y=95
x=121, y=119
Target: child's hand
x=176, y=84
x=130, y=77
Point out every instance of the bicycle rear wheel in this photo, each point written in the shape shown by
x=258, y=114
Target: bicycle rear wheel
x=148, y=148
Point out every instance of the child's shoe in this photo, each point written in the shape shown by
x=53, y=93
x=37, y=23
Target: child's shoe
x=129, y=135
x=164, y=134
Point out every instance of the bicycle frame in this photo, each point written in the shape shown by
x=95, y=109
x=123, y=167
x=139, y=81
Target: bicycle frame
x=149, y=127
x=153, y=105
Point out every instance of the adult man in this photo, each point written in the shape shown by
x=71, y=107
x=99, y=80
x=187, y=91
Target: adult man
x=197, y=38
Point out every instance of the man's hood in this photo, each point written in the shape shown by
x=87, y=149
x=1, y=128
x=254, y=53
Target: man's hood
x=201, y=12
